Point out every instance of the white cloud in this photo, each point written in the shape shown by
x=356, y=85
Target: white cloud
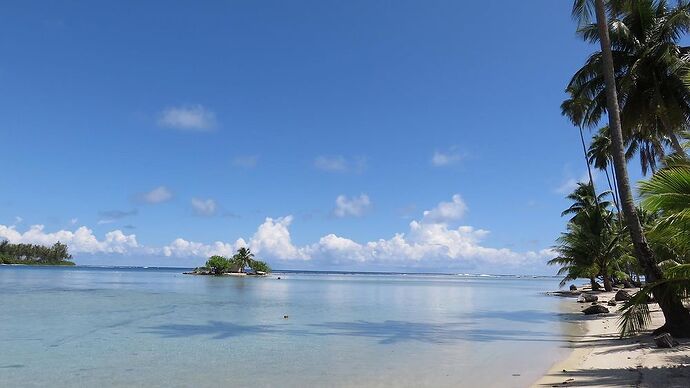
x=430, y=242
x=570, y=183
x=189, y=118
x=440, y=158
x=355, y=206
x=341, y=164
x=246, y=161
x=446, y=211
x=183, y=248
x=158, y=195
x=204, y=207
x=81, y=240
x=272, y=239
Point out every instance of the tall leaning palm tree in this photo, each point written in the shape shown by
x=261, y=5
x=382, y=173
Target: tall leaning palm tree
x=676, y=316
x=650, y=68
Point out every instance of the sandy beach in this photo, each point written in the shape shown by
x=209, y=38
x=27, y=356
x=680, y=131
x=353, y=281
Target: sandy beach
x=601, y=359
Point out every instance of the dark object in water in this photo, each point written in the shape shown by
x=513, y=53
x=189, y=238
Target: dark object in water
x=285, y=317
x=278, y=277
x=573, y=287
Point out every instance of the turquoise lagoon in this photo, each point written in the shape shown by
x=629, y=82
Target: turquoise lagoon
x=102, y=327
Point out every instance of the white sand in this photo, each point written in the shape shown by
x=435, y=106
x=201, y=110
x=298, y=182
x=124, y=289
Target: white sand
x=601, y=359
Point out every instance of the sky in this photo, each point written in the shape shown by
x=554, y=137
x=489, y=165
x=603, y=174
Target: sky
x=325, y=135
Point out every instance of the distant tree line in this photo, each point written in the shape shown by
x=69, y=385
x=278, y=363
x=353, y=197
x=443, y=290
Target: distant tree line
x=35, y=254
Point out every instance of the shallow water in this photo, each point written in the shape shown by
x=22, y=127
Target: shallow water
x=67, y=327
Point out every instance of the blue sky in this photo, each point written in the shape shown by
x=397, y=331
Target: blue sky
x=315, y=131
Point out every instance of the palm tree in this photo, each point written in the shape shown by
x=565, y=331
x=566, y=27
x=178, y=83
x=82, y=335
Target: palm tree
x=650, y=69
x=586, y=204
x=243, y=258
x=677, y=317
x=591, y=245
x=575, y=108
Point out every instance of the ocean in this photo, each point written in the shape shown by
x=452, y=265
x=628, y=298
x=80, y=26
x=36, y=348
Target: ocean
x=155, y=327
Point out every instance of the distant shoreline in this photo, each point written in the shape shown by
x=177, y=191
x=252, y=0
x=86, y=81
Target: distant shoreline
x=63, y=264
x=334, y=272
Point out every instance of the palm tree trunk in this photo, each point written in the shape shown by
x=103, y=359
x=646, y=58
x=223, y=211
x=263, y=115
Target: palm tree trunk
x=677, y=317
x=593, y=283
x=589, y=168
x=608, y=287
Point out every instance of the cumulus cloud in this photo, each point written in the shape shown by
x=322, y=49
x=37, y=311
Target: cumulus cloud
x=183, y=248
x=204, y=207
x=81, y=240
x=272, y=238
x=188, y=118
x=355, y=206
x=445, y=158
x=431, y=241
x=445, y=212
x=158, y=195
x=340, y=164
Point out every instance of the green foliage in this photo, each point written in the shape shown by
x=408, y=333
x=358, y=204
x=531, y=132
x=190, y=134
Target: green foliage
x=259, y=266
x=651, y=72
x=592, y=245
x=665, y=214
x=635, y=312
x=243, y=258
x=218, y=264
x=33, y=254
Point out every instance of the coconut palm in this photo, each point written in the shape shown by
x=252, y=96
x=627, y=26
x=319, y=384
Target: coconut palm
x=591, y=246
x=636, y=315
x=677, y=318
x=666, y=200
x=586, y=204
x=243, y=258
x=650, y=71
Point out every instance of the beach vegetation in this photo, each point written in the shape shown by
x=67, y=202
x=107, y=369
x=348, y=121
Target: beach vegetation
x=238, y=263
x=637, y=81
x=34, y=254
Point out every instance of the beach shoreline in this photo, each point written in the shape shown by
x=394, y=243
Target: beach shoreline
x=600, y=358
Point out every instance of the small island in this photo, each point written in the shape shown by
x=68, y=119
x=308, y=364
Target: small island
x=34, y=254
x=234, y=266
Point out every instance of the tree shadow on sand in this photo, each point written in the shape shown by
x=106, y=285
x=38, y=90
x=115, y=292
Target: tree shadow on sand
x=624, y=377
